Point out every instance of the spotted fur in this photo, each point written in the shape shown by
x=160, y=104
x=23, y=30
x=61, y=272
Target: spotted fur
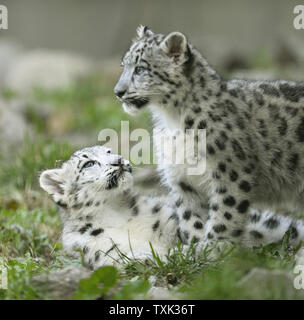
x=255, y=134
x=102, y=214
x=103, y=222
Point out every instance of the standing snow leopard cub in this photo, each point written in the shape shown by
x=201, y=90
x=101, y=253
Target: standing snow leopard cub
x=255, y=135
x=102, y=214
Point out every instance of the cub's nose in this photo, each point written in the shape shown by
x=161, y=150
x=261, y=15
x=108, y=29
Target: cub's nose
x=117, y=161
x=119, y=93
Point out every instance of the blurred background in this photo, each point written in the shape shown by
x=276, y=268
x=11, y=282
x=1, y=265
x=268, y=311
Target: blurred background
x=60, y=59
x=59, y=62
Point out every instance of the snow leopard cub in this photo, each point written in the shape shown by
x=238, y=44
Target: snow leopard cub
x=102, y=214
x=255, y=134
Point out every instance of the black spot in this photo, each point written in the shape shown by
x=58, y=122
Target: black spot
x=259, y=98
x=293, y=232
x=270, y=90
x=174, y=216
x=96, y=232
x=85, y=250
x=233, y=175
x=245, y=186
x=202, y=82
x=97, y=255
x=236, y=233
x=228, y=126
x=214, y=207
x=255, y=218
x=178, y=202
x=201, y=125
x=189, y=122
x=282, y=128
x=186, y=187
x=210, y=235
x=271, y=223
x=243, y=206
x=195, y=239
x=256, y=234
x=247, y=170
x=240, y=123
x=228, y=215
x=292, y=92
x=238, y=150
x=229, y=201
x=89, y=203
x=62, y=204
x=219, y=228
x=291, y=111
x=222, y=166
x=196, y=109
x=220, y=144
x=83, y=229
x=198, y=225
x=233, y=93
x=155, y=225
x=156, y=208
x=135, y=211
x=187, y=214
x=293, y=161
x=300, y=131
x=210, y=149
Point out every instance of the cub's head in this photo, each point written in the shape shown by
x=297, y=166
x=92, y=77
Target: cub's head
x=89, y=175
x=154, y=68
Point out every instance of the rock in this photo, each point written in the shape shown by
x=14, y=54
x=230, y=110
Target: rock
x=13, y=127
x=278, y=284
x=45, y=69
x=61, y=284
x=9, y=54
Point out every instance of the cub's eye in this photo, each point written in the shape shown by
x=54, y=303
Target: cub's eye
x=109, y=151
x=139, y=70
x=89, y=164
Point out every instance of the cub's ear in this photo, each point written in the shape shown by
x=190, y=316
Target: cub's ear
x=143, y=31
x=175, y=45
x=51, y=181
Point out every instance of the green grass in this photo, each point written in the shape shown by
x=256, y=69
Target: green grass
x=30, y=224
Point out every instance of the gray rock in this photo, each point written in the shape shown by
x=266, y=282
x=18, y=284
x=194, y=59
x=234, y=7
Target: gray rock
x=61, y=284
x=9, y=54
x=13, y=127
x=46, y=69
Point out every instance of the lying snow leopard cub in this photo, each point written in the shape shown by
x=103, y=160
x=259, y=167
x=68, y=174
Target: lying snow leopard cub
x=101, y=212
x=255, y=134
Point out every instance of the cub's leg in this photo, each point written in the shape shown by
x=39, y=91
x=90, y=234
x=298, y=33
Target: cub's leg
x=231, y=194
